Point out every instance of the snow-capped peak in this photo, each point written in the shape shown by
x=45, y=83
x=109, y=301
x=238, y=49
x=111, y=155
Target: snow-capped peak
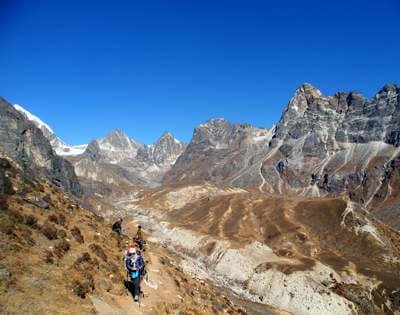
x=38, y=122
x=58, y=145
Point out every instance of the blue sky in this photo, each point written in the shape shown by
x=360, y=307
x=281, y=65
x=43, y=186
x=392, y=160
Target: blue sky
x=86, y=67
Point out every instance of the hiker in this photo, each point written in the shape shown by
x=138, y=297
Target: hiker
x=117, y=227
x=138, y=238
x=135, y=265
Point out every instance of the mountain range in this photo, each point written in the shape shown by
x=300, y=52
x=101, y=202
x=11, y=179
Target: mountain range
x=303, y=216
x=341, y=145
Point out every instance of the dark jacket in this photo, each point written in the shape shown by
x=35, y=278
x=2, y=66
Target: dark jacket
x=134, y=264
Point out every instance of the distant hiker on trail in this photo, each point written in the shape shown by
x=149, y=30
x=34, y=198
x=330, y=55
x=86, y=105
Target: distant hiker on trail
x=138, y=238
x=139, y=233
x=117, y=227
x=134, y=264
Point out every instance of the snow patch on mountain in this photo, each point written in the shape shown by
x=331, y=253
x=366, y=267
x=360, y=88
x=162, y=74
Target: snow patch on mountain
x=36, y=120
x=58, y=145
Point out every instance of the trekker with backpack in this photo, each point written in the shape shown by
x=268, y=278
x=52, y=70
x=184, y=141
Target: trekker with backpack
x=138, y=238
x=134, y=264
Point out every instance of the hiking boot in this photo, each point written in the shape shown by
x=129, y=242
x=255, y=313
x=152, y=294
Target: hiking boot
x=136, y=298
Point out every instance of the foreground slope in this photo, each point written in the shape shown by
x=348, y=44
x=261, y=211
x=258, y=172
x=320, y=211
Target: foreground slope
x=58, y=258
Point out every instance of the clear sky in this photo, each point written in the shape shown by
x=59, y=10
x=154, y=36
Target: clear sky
x=86, y=67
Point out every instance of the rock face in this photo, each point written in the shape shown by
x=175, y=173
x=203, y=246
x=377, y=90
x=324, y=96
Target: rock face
x=5, y=184
x=24, y=143
x=337, y=144
x=58, y=145
x=322, y=145
x=219, y=152
x=163, y=152
x=114, y=148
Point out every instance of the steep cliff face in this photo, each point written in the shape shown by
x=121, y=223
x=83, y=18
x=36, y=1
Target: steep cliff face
x=23, y=142
x=342, y=143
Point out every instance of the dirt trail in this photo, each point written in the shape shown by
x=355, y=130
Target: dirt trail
x=167, y=289
x=158, y=286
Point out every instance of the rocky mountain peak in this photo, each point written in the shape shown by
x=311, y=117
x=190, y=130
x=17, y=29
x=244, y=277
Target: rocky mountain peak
x=390, y=90
x=303, y=98
x=117, y=139
x=115, y=147
x=308, y=89
x=167, y=137
x=215, y=123
x=215, y=132
x=390, y=87
x=163, y=152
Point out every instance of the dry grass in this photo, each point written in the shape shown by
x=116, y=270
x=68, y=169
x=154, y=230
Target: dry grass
x=98, y=251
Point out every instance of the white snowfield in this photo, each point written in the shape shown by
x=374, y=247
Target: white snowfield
x=37, y=121
x=58, y=145
x=71, y=150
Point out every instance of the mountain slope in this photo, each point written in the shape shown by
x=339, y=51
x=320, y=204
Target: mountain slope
x=58, y=258
x=322, y=146
x=219, y=152
x=23, y=142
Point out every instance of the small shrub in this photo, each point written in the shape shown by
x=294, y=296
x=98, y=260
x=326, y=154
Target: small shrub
x=96, y=262
x=80, y=289
x=3, y=203
x=61, y=247
x=98, y=251
x=50, y=231
x=57, y=219
x=84, y=286
x=31, y=220
x=76, y=233
x=61, y=233
x=84, y=258
x=62, y=220
x=6, y=225
x=48, y=257
x=53, y=218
